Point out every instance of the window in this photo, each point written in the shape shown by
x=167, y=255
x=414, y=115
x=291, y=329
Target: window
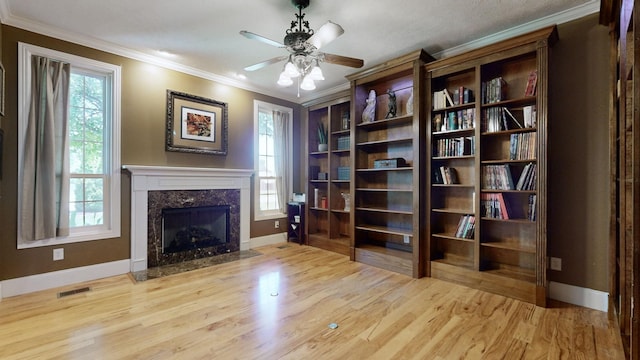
x=273, y=133
x=93, y=146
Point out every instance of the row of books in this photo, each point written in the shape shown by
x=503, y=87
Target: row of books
x=528, y=177
x=445, y=175
x=522, y=146
x=498, y=177
x=455, y=120
x=494, y=206
x=466, y=227
x=494, y=90
x=443, y=98
x=531, y=212
x=459, y=146
x=501, y=118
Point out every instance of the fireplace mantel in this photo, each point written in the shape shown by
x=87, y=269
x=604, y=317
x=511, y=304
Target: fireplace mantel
x=151, y=178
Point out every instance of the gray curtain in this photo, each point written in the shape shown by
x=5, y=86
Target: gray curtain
x=45, y=186
x=281, y=148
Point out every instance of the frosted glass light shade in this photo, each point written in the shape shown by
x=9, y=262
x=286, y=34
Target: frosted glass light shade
x=316, y=73
x=307, y=84
x=284, y=80
x=291, y=70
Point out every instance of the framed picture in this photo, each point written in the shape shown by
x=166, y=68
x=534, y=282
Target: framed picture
x=196, y=124
x=1, y=89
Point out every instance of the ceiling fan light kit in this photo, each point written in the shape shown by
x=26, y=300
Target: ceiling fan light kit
x=303, y=44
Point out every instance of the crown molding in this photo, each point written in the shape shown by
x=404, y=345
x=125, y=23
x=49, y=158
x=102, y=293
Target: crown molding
x=7, y=18
x=562, y=17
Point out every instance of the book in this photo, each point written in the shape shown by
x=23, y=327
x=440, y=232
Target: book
x=448, y=97
x=529, y=116
x=530, y=90
x=513, y=118
x=437, y=123
x=437, y=177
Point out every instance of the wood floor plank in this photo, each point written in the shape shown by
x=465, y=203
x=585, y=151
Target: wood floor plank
x=279, y=305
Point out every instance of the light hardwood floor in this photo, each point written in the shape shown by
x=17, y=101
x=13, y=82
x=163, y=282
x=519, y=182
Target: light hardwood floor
x=279, y=306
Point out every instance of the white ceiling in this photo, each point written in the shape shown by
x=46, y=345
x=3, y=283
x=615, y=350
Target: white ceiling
x=202, y=36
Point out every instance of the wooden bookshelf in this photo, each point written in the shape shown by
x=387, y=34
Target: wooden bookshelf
x=328, y=221
x=624, y=124
x=388, y=201
x=489, y=130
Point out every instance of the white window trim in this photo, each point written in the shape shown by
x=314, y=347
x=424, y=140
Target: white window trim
x=257, y=213
x=112, y=229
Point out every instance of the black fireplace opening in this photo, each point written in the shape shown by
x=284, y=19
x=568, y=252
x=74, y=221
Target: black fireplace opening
x=185, y=229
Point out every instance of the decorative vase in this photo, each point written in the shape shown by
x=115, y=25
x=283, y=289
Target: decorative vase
x=323, y=147
x=369, y=112
x=347, y=201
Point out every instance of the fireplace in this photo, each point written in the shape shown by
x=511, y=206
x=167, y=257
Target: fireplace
x=194, y=216
x=185, y=229
x=154, y=188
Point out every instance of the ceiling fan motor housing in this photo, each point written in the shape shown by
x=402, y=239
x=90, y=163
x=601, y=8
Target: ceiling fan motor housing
x=297, y=40
x=300, y=4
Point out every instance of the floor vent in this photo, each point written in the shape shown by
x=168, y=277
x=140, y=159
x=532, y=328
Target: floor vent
x=283, y=246
x=73, y=292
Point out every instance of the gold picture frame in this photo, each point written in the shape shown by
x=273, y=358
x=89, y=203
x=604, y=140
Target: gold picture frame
x=1, y=89
x=196, y=124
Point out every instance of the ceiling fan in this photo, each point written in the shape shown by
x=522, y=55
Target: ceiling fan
x=303, y=45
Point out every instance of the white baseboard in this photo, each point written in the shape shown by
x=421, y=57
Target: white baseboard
x=50, y=280
x=268, y=240
x=589, y=298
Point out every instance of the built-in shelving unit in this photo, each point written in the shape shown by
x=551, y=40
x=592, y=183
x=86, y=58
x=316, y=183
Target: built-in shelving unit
x=624, y=124
x=388, y=197
x=328, y=174
x=487, y=125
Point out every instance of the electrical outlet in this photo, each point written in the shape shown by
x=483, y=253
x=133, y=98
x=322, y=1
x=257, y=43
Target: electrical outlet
x=277, y=224
x=406, y=239
x=58, y=254
x=555, y=264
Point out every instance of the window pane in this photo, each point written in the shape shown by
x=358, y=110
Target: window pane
x=94, y=189
x=76, y=158
x=93, y=213
x=76, y=192
x=76, y=124
x=93, y=158
x=94, y=126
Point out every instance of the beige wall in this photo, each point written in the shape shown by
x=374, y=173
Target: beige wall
x=144, y=89
x=578, y=226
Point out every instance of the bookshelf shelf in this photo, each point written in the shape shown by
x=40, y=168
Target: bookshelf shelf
x=385, y=230
x=453, y=211
x=513, y=247
x=512, y=102
x=491, y=113
x=450, y=237
x=385, y=210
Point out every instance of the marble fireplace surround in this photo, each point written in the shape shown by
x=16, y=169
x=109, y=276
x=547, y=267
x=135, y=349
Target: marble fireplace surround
x=153, y=178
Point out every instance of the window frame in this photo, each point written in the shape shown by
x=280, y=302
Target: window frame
x=111, y=227
x=270, y=214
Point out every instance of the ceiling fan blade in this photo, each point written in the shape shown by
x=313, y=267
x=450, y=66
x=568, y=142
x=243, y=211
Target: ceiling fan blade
x=343, y=60
x=260, y=65
x=326, y=34
x=250, y=35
